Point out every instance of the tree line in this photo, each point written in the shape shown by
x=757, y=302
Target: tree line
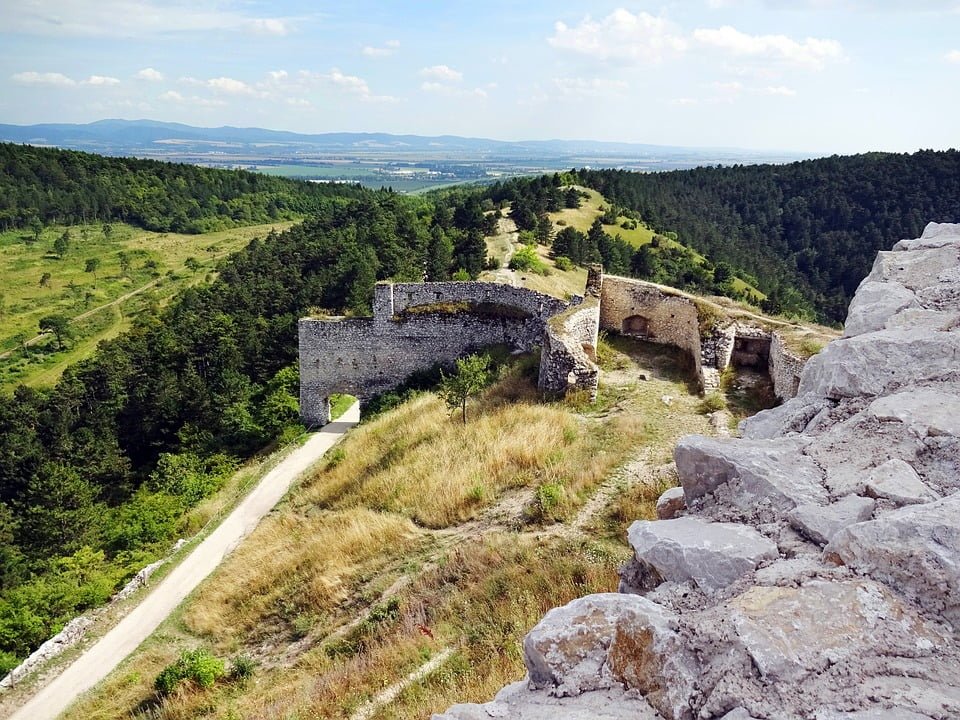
x=807, y=231
x=98, y=473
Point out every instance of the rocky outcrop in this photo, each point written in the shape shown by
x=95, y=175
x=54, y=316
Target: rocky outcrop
x=811, y=569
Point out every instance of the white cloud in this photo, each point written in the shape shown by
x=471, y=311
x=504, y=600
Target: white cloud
x=684, y=101
x=277, y=75
x=389, y=48
x=230, y=86
x=443, y=73
x=811, y=53
x=174, y=97
x=54, y=79
x=101, y=80
x=269, y=26
x=350, y=84
x=452, y=91
x=953, y=56
x=149, y=74
x=135, y=18
x=298, y=102
x=621, y=36
x=593, y=87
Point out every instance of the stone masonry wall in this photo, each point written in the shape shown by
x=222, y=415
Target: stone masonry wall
x=808, y=570
x=568, y=355
x=785, y=368
x=668, y=319
x=365, y=357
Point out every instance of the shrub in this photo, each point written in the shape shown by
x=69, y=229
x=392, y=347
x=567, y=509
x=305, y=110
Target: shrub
x=527, y=259
x=713, y=402
x=242, y=669
x=563, y=263
x=196, y=666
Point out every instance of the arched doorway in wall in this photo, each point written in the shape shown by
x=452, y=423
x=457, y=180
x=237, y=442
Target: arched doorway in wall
x=637, y=326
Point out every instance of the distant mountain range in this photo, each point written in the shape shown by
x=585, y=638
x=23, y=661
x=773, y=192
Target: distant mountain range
x=163, y=138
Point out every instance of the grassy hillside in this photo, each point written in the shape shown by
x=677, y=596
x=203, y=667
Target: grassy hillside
x=135, y=268
x=423, y=538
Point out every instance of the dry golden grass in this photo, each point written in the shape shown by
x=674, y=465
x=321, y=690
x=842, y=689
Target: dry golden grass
x=420, y=462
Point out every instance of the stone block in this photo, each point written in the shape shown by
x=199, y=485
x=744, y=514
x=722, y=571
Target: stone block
x=821, y=523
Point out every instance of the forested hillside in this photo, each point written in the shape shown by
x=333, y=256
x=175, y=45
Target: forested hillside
x=39, y=186
x=96, y=473
x=808, y=231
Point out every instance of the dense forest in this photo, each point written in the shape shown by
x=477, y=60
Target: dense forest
x=40, y=186
x=97, y=473
x=808, y=231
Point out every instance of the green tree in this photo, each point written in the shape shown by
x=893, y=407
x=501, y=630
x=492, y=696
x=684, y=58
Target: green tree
x=45, y=280
x=107, y=230
x=59, y=325
x=58, y=513
x=192, y=264
x=473, y=374
x=62, y=244
x=91, y=266
x=124, y=260
x=36, y=228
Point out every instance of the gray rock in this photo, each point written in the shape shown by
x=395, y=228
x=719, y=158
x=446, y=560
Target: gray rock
x=874, y=304
x=671, y=503
x=712, y=555
x=821, y=523
x=608, y=640
x=919, y=268
x=927, y=412
x=518, y=702
x=771, y=472
x=791, y=633
x=934, y=235
x=913, y=549
x=919, y=318
x=939, y=230
x=896, y=481
x=879, y=363
x=738, y=714
x=791, y=417
x=893, y=713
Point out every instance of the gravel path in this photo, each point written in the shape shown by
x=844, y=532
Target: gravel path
x=99, y=660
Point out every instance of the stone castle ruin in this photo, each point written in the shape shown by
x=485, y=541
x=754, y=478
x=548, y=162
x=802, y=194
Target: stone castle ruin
x=418, y=325
x=808, y=569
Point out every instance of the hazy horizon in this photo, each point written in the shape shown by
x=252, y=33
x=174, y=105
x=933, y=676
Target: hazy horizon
x=813, y=76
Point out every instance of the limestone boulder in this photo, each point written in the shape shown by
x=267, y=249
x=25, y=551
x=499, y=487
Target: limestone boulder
x=774, y=473
x=821, y=523
x=934, y=235
x=914, y=549
x=916, y=269
x=518, y=702
x=612, y=640
x=892, y=713
x=874, y=304
x=898, y=482
x=671, y=503
x=791, y=417
x=932, y=320
x=927, y=412
x=793, y=633
x=879, y=363
x=711, y=555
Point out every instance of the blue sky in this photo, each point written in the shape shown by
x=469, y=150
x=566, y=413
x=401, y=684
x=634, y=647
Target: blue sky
x=808, y=75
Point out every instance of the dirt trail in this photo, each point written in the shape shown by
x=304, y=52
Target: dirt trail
x=100, y=659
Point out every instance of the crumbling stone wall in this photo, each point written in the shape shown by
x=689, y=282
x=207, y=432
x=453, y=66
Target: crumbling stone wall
x=785, y=367
x=366, y=357
x=647, y=311
x=568, y=356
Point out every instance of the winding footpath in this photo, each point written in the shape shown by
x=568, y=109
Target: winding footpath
x=99, y=660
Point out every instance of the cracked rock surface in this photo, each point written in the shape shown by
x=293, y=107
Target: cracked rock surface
x=810, y=569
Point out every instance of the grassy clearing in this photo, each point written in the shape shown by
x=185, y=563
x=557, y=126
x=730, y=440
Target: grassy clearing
x=159, y=266
x=349, y=586
x=582, y=218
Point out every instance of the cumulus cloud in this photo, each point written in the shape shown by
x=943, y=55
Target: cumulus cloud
x=172, y=96
x=269, y=26
x=230, y=86
x=953, y=57
x=621, y=36
x=779, y=90
x=53, y=79
x=350, y=84
x=277, y=75
x=149, y=74
x=811, y=53
x=453, y=91
x=101, y=80
x=443, y=73
x=389, y=48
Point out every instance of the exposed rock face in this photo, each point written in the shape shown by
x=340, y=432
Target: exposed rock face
x=814, y=571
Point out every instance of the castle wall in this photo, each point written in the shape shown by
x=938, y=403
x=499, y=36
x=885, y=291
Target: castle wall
x=568, y=356
x=785, y=368
x=366, y=357
x=666, y=319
